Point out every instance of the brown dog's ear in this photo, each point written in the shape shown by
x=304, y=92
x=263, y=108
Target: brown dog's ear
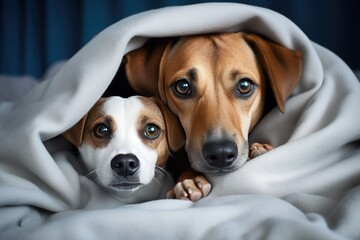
x=75, y=133
x=282, y=66
x=142, y=66
x=174, y=132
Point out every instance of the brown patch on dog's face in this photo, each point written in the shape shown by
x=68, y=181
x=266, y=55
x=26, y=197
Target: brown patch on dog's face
x=98, y=127
x=152, y=130
x=216, y=88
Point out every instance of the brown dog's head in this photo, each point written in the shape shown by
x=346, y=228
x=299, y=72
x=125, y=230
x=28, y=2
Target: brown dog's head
x=215, y=84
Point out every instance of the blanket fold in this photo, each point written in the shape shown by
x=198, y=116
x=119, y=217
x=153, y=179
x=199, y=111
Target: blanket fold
x=306, y=188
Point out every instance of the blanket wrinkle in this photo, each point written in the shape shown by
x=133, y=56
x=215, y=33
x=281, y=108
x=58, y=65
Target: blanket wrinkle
x=343, y=218
x=308, y=187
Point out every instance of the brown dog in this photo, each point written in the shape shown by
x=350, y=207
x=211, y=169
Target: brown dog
x=216, y=85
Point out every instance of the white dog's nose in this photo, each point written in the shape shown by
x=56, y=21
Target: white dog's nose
x=125, y=164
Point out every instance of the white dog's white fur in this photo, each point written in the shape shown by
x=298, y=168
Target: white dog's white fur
x=132, y=127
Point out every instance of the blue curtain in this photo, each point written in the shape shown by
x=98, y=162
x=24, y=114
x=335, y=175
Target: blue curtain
x=36, y=33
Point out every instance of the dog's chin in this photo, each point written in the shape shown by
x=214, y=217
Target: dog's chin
x=125, y=193
x=220, y=172
x=215, y=171
x=203, y=167
x=122, y=188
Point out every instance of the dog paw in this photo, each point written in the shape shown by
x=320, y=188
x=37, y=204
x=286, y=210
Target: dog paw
x=257, y=149
x=191, y=189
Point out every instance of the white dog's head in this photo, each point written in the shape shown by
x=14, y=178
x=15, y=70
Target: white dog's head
x=122, y=142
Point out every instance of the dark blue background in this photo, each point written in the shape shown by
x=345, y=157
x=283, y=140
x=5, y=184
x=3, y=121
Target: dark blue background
x=36, y=33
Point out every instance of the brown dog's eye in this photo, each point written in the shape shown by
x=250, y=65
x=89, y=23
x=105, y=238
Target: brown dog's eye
x=151, y=131
x=182, y=88
x=101, y=131
x=245, y=87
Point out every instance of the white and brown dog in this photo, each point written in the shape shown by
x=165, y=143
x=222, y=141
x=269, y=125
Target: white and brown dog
x=217, y=86
x=123, y=144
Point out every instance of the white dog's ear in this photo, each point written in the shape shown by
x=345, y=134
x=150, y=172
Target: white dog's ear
x=175, y=134
x=142, y=66
x=75, y=133
x=282, y=66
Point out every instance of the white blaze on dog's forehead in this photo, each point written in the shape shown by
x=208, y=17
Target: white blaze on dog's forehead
x=125, y=112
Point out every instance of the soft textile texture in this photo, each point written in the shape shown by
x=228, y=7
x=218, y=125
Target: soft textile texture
x=306, y=188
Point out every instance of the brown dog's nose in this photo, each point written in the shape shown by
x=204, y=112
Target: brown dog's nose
x=220, y=153
x=125, y=164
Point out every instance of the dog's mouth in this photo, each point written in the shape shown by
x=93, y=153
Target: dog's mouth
x=125, y=186
x=223, y=171
x=204, y=167
x=219, y=171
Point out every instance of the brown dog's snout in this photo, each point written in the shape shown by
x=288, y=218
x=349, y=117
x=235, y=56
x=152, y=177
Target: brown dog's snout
x=125, y=164
x=220, y=154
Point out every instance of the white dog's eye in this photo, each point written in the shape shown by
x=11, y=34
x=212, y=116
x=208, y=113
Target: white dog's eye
x=151, y=131
x=101, y=131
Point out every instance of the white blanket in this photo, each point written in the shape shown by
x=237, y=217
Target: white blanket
x=306, y=188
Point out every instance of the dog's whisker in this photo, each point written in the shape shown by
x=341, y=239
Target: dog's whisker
x=92, y=174
x=156, y=180
x=170, y=154
x=161, y=171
